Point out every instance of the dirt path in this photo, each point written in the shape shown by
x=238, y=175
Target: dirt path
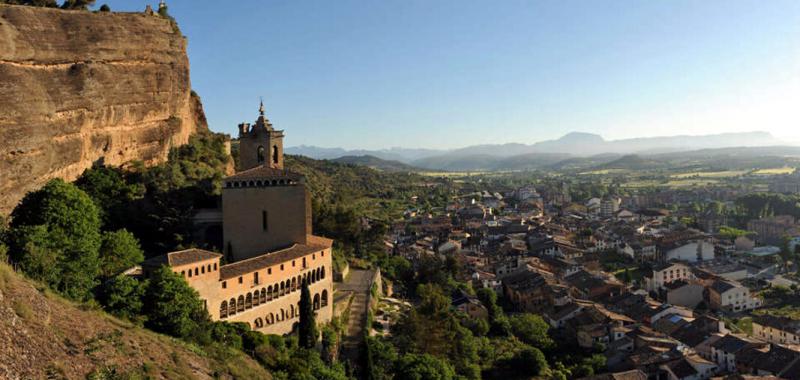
x=359, y=283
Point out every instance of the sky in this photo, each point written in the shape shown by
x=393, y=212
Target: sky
x=453, y=73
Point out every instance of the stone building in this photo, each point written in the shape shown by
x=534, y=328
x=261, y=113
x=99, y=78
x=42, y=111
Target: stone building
x=271, y=252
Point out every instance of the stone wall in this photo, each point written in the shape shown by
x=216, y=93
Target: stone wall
x=78, y=87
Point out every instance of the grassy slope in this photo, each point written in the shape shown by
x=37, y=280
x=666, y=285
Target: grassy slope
x=45, y=336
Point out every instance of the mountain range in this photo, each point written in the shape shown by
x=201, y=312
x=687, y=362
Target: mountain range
x=573, y=148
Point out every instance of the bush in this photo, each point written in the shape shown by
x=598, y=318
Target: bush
x=172, y=307
x=55, y=237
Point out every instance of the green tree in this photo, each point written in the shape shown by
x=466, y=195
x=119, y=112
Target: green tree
x=531, y=329
x=111, y=191
x=55, y=237
x=308, y=326
x=105, y=8
x=77, y=4
x=119, y=251
x=171, y=306
x=122, y=296
x=423, y=367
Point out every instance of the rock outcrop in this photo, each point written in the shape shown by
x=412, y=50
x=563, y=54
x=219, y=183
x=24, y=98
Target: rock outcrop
x=78, y=87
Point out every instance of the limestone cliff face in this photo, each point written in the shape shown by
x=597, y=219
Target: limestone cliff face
x=78, y=87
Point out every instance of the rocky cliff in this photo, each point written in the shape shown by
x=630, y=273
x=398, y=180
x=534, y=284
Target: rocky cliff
x=78, y=87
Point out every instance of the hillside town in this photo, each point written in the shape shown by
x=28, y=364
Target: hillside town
x=624, y=276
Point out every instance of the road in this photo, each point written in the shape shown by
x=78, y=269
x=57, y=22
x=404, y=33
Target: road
x=359, y=283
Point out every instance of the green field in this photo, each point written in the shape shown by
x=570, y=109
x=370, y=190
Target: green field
x=720, y=174
x=774, y=171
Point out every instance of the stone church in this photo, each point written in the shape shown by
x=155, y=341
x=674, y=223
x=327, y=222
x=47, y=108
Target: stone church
x=266, y=224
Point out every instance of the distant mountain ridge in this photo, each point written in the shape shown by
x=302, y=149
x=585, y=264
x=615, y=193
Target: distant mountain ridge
x=517, y=156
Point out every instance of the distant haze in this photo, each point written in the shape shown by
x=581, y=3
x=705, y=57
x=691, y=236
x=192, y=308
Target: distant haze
x=572, y=144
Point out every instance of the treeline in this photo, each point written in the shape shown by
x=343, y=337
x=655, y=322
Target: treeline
x=434, y=341
x=66, y=4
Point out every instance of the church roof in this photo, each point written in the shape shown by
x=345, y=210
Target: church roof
x=264, y=172
x=178, y=258
x=243, y=267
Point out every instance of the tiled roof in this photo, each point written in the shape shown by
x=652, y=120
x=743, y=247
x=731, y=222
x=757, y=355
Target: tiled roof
x=269, y=259
x=264, y=172
x=178, y=258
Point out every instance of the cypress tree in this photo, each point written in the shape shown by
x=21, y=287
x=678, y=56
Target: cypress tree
x=307, y=333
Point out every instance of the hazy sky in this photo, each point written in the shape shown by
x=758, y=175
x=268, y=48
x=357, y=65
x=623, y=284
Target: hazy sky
x=442, y=74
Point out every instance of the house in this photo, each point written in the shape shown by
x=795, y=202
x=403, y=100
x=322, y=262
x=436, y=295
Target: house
x=469, y=305
x=663, y=274
x=731, y=296
x=766, y=360
x=684, y=293
x=528, y=290
x=625, y=375
x=594, y=285
x=776, y=329
x=771, y=230
x=690, y=367
x=725, y=350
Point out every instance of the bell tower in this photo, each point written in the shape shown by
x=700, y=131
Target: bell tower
x=260, y=144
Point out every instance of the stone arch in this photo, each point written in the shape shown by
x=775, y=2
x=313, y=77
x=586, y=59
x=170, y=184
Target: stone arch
x=322, y=272
x=291, y=311
x=259, y=323
x=260, y=154
x=305, y=278
x=270, y=318
x=240, y=304
x=232, y=306
x=316, y=301
x=269, y=293
x=263, y=295
x=256, y=298
x=294, y=284
x=223, y=309
x=325, y=298
x=283, y=289
x=248, y=301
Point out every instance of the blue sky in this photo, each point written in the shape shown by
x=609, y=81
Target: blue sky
x=445, y=74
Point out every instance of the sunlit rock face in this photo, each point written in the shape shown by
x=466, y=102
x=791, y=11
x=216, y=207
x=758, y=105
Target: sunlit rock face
x=78, y=87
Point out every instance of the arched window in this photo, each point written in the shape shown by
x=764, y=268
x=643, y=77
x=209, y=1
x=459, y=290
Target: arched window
x=248, y=302
x=274, y=154
x=294, y=284
x=324, y=298
x=223, y=309
x=263, y=295
x=256, y=299
x=283, y=288
x=291, y=311
x=260, y=154
x=316, y=301
x=259, y=322
x=269, y=293
x=270, y=318
x=240, y=304
x=322, y=273
x=232, y=306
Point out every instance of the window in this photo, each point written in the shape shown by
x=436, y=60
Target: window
x=183, y=273
x=215, y=266
x=224, y=285
x=264, y=220
x=255, y=277
x=260, y=154
x=203, y=269
x=293, y=262
x=281, y=266
x=275, y=154
x=190, y=273
x=196, y=272
x=240, y=279
x=269, y=270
